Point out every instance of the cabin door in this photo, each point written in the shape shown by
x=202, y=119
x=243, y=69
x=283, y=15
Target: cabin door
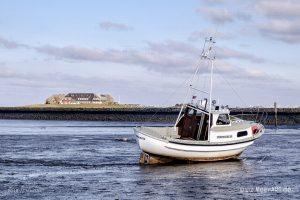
x=203, y=127
x=193, y=126
x=188, y=124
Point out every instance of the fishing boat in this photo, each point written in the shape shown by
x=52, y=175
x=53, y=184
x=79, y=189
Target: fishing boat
x=203, y=131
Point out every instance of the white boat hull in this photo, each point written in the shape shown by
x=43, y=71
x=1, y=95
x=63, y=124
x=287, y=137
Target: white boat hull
x=177, y=151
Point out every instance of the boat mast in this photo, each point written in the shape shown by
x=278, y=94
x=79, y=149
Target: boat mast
x=210, y=95
x=206, y=54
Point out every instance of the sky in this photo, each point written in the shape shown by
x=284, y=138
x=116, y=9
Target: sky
x=145, y=52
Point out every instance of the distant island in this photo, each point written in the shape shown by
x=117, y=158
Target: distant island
x=80, y=98
x=83, y=100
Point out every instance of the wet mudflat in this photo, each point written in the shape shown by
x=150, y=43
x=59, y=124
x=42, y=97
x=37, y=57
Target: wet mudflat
x=99, y=160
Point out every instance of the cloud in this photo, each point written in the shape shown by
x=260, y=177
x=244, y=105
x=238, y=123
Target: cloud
x=107, y=25
x=214, y=2
x=168, y=56
x=160, y=56
x=196, y=35
x=283, y=30
x=274, y=19
x=243, y=16
x=5, y=73
x=279, y=8
x=222, y=15
x=149, y=59
x=227, y=53
x=72, y=52
x=39, y=86
x=172, y=46
x=216, y=15
x=9, y=44
x=173, y=58
x=29, y=79
x=239, y=74
x=282, y=20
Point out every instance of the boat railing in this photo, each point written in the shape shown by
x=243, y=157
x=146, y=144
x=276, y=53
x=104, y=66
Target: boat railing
x=251, y=117
x=161, y=132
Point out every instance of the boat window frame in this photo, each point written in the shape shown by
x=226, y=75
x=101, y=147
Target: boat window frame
x=197, y=109
x=228, y=118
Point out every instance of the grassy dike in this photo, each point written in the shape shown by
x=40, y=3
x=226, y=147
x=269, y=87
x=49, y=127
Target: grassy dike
x=285, y=116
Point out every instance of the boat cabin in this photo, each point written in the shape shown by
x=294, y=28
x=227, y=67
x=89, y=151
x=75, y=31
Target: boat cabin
x=193, y=123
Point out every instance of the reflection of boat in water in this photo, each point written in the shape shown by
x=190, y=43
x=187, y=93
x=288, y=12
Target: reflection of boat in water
x=204, y=131
x=212, y=170
x=206, y=180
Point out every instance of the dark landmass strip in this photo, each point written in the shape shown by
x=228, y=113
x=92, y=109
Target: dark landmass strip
x=285, y=116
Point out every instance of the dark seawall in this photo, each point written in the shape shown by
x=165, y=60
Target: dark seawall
x=285, y=116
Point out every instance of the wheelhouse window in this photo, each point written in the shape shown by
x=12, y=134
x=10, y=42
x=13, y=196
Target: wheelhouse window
x=223, y=119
